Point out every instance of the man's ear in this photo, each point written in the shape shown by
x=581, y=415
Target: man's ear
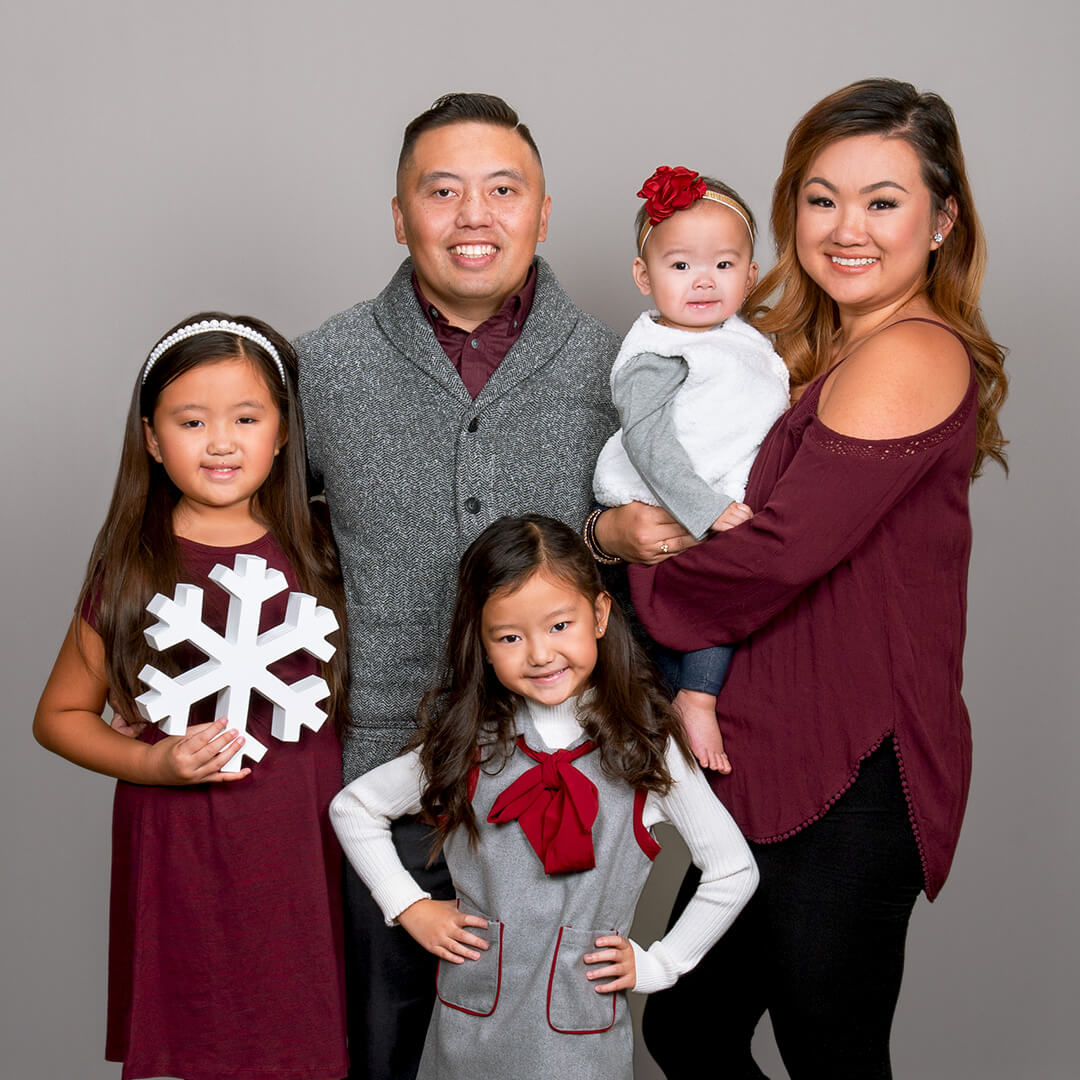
x=399, y=221
x=545, y=213
x=641, y=277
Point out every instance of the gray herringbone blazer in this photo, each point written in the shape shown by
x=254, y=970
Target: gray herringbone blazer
x=414, y=469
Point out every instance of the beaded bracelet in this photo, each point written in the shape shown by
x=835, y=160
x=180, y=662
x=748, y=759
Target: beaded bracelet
x=588, y=534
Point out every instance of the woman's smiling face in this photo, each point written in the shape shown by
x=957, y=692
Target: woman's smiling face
x=865, y=223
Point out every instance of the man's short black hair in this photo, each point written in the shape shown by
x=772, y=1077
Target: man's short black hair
x=461, y=108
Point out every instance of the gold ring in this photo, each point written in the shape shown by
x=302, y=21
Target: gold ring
x=663, y=547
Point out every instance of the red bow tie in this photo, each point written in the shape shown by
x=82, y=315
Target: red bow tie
x=556, y=806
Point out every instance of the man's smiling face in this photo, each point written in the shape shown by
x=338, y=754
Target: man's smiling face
x=471, y=207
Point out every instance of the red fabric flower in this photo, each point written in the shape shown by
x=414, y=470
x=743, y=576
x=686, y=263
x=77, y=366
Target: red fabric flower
x=668, y=190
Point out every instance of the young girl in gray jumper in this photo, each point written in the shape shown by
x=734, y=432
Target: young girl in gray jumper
x=543, y=760
x=696, y=389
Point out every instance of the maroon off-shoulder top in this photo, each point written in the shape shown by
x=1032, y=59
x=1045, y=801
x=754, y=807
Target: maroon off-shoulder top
x=848, y=591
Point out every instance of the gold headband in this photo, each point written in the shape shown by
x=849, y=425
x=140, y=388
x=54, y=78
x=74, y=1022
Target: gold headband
x=712, y=196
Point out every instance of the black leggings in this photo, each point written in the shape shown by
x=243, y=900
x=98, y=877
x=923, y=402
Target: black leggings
x=820, y=946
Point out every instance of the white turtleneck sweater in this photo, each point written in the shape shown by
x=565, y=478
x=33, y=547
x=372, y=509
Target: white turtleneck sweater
x=362, y=812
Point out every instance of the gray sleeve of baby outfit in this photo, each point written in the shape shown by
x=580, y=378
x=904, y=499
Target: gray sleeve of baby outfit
x=644, y=390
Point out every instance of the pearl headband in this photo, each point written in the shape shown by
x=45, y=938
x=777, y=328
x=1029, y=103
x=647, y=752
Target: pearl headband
x=213, y=326
x=712, y=196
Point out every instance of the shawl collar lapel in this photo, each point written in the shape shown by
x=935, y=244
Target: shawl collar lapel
x=547, y=329
x=550, y=323
x=398, y=315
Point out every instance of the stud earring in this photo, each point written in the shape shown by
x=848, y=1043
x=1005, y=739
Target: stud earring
x=937, y=238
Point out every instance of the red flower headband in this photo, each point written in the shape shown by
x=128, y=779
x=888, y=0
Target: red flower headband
x=668, y=190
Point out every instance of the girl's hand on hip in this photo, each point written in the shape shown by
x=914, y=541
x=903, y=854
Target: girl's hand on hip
x=441, y=928
x=618, y=954
x=197, y=756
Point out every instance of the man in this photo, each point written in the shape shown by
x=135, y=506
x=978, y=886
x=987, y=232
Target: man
x=471, y=387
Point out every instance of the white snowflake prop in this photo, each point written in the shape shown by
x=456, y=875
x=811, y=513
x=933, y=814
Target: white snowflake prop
x=239, y=660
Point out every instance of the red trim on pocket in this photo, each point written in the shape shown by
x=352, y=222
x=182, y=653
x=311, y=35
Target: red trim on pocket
x=646, y=840
x=551, y=981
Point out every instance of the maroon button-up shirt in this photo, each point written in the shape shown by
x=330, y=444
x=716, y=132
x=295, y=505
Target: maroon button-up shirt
x=477, y=353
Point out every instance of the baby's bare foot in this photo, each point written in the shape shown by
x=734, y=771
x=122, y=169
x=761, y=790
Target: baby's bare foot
x=702, y=730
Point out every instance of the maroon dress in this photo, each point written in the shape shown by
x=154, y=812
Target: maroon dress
x=848, y=587
x=225, y=940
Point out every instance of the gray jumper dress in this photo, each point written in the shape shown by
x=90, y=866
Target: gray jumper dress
x=525, y=1009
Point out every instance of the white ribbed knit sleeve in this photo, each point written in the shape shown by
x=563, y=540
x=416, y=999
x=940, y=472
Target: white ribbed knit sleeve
x=728, y=874
x=361, y=814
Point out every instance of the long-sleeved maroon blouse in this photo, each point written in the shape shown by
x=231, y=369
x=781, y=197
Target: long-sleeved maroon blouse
x=848, y=591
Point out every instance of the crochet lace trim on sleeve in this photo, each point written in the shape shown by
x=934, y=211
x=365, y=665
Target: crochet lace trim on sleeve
x=891, y=449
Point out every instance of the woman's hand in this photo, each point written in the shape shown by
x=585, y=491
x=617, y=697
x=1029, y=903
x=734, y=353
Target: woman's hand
x=618, y=954
x=196, y=757
x=639, y=533
x=440, y=927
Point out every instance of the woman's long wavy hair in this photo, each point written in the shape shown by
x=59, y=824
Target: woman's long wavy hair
x=469, y=717
x=803, y=318
x=136, y=554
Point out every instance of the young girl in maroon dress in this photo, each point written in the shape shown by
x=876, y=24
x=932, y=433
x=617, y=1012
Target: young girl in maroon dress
x=225, y=921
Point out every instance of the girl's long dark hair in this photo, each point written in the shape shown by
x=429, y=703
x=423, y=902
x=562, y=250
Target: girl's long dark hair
x=136, y=554
x=471, y=713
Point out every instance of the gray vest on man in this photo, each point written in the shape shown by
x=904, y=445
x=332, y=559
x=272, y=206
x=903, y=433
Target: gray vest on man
x=414, y=469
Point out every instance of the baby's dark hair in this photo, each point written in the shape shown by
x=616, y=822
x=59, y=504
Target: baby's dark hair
x=711, y=184
x=628, y=715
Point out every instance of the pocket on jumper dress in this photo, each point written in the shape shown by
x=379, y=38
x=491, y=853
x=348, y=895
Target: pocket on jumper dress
x=573, y=1005
x=473, y=986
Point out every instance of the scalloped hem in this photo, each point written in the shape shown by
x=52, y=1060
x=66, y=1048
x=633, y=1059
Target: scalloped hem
x=905, y=787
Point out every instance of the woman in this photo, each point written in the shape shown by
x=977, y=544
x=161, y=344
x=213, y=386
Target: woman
x=848, y=738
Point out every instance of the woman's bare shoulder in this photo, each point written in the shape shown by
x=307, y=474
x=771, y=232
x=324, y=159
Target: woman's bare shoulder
x=905, y=379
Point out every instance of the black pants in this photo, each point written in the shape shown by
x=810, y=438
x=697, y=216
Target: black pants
x=390, y=979
x=820, y=946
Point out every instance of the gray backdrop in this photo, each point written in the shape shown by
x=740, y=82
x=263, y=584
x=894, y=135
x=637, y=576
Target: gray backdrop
x=161, y=158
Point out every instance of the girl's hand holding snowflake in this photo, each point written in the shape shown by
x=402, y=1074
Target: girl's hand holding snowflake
x=440, y=927
x=196, y=757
